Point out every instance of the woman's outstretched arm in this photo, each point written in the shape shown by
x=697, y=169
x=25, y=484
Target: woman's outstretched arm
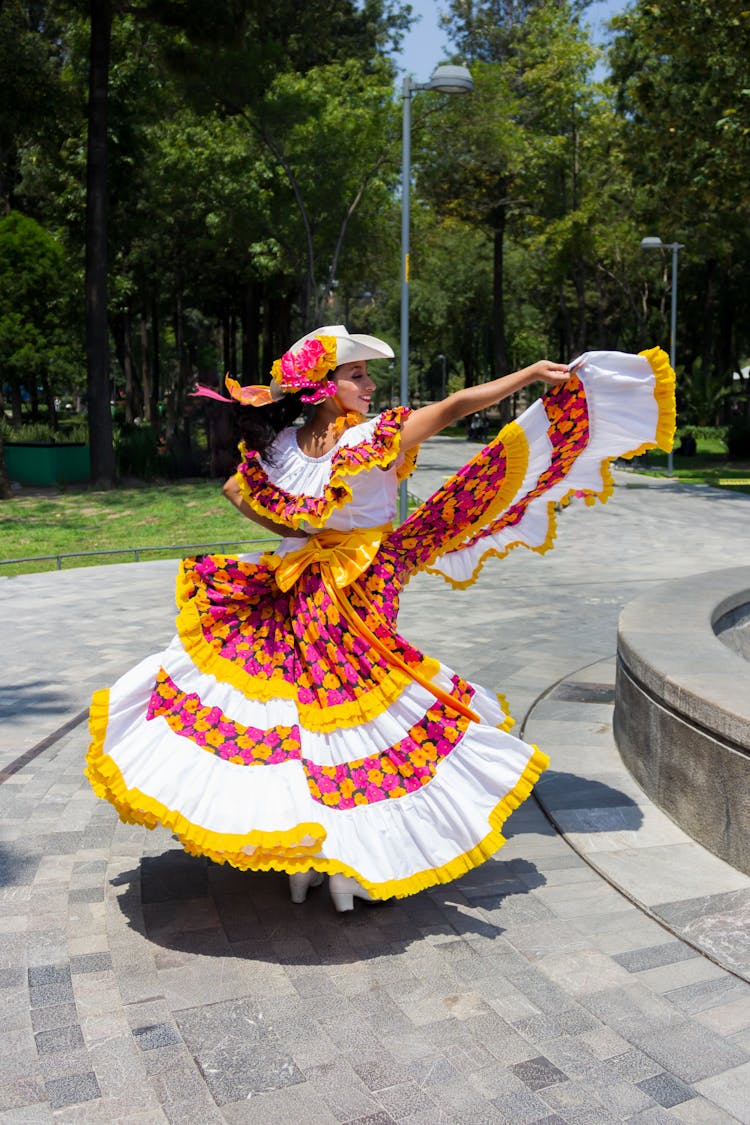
x=430, y=420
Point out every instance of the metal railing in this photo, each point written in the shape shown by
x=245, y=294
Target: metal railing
x=178, y=549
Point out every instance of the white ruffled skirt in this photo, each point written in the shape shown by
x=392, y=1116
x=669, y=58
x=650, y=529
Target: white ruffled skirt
x=285, y=730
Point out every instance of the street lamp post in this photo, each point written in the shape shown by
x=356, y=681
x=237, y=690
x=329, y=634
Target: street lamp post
x=445, y=80
x=655, y=243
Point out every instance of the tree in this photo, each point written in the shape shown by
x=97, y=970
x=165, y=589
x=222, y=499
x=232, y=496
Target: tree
x=686, y=108
x=31, y=59
x=212, y=166
x=491, y=30
x=505, y=158
x=312, y=83
x=38, y=335
x=475, y=178
x=451, y=295
x=97, y=325
x=331, y=133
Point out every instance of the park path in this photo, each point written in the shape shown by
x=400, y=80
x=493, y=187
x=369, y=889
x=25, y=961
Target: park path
x=140, y=984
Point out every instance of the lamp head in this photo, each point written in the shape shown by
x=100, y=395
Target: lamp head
x=451, y=80
x=651, y=243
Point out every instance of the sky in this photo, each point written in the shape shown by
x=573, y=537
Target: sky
x=426, y=45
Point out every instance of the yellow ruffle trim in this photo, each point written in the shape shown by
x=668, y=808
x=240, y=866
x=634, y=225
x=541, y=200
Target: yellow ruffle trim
x=390, y=447
x=135, y=807
x=263, y=688
x=516, y=447
x=408, y=465
x=665, y=401
x=664, y=437
x=509, y=721
x=496, y=553
x=284, y=850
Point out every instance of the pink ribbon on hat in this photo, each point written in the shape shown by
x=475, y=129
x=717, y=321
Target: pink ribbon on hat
x=255, y=395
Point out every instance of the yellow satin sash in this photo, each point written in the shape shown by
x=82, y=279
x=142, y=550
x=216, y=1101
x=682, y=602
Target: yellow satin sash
x=343, y=556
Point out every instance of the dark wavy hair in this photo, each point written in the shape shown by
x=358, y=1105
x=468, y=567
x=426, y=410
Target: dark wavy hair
x=259, y=426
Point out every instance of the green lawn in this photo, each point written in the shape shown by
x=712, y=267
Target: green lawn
x=710, y=465
x=190, y=513
x=48, y=521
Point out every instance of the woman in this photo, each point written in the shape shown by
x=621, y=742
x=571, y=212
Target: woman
x=289, y=726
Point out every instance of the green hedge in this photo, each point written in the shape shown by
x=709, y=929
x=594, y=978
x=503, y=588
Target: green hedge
x=705, y=433
x=75, y=434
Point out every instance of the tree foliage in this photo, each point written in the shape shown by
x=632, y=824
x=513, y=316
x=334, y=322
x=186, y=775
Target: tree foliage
x=680, y=71
x=39, y=340
x=507, y=158
x=252, y=160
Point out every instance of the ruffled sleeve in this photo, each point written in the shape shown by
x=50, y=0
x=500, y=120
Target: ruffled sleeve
x=614, y=405
x=297, y=489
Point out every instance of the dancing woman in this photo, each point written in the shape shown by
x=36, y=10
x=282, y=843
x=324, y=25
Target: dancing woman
x=289, y=726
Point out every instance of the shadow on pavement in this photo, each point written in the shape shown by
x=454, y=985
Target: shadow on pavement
x=35, y=696
x=18, y=865
x=587, y=805
x=192, y=906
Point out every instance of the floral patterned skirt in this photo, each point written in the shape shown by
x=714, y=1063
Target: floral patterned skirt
x=279, y=732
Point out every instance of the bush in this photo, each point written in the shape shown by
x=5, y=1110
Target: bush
x=738, y=440
x=43, y=432
x=136, y=451
x=704, y=433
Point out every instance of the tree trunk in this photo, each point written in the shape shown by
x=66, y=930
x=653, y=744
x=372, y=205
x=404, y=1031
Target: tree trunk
x=225, y=361
x=282, y=321
x=97, y=337
x=148, y=412
x=5, y=491
x=467, y=359
x=132, y=404
x=707, y=341
x=121, y=333
x=250, y=324
x=174, y=397
x=49, y=396
x=155, y=363
x=16, y=406
x=34, y=397
x=232, y=350
x=267, y=338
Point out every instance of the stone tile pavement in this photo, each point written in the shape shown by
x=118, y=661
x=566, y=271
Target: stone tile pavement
x=551, y=985
x=607, y=818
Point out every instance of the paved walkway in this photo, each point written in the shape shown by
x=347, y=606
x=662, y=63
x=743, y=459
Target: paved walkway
x=139, y=984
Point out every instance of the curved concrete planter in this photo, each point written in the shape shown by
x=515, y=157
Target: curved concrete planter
x=682, y=706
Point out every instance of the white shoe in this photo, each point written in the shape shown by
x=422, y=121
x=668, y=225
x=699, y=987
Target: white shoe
x=301, y=881
x=344, y=889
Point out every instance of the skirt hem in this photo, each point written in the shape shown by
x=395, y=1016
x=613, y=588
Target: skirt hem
x=291, y=850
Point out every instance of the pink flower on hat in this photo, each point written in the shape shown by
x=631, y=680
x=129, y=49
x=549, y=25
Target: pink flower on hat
x=307, y=367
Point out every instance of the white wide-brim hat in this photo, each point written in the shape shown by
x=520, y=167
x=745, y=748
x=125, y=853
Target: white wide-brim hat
x=309, y=371
x=310, y=361
x=350, y=346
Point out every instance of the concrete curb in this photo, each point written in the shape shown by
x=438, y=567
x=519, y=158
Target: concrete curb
x=682, y=708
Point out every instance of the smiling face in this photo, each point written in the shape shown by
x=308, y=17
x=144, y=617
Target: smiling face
x=354, y=387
